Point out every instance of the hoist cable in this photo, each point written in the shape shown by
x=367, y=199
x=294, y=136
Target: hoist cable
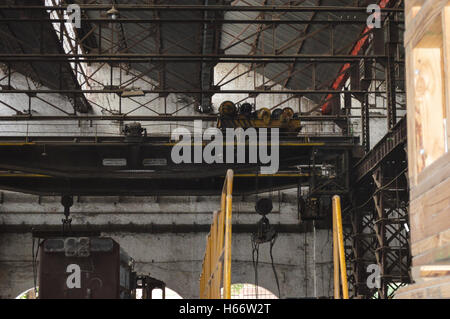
x=34, y=257
x=272, y=242
x=255, y=250
x=33, y=263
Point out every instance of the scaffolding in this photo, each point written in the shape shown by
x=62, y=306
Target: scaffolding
x=377, y=225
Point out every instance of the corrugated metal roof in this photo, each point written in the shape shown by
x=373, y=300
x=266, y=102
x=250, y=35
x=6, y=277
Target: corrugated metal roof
x=188, y=36
x=176, y=38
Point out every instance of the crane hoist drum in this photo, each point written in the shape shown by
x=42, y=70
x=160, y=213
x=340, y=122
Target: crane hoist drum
x=246, y=109
x=276, y=114
x=264, y=115
x=228, y=109
x=287, y=115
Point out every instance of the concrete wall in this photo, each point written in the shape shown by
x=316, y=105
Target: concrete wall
x=303, y=260
x=177, y=258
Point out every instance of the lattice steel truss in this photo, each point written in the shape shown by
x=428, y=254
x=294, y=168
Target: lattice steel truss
x=136, y=39
x=378, y=231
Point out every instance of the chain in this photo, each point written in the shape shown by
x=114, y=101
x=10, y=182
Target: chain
x=67, y=202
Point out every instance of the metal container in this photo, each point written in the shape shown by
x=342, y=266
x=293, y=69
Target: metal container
x=84, y=268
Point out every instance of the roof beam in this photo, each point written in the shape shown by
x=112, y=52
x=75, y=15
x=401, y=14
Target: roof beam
x=141, y=7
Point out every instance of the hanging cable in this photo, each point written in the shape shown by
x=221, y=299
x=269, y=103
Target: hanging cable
x=255, y=251
x=265, y=233
x=272, y=243
x=33, y=264
x=34, y=256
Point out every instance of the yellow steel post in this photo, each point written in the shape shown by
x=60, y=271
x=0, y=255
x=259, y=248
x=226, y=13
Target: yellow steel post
x=221, y=249
x=216, y=285
x=208, y=265
x=211, y=277
x=337, y=284
x=228, y=223
x=340, y=237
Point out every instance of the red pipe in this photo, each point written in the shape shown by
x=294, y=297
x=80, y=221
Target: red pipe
x=339, y=82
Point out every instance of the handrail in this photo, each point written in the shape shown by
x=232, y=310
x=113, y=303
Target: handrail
x=338, y=251
x=217, y=260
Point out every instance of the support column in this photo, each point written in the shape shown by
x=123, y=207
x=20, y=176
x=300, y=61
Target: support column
x=391, y=52
x=365, y=123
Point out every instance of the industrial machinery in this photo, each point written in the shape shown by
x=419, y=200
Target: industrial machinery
x=84, y=268
x=88, y=268
x=134, y=132
x=246, y=116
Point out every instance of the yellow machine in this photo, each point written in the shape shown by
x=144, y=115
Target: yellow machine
x=283, y=119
